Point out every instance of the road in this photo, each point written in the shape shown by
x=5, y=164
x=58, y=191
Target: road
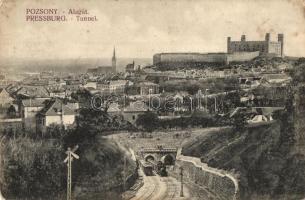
x=161, y=188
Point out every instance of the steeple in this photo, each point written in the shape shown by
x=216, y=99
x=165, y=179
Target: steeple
x=114, y=60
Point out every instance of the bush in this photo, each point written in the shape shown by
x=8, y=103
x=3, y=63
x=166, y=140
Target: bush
x=32, y=169
x=149, y=121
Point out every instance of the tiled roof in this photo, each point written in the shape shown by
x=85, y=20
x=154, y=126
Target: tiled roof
x=118, y=82
x=33, y=102
x=55, y=108
x=147, y=83
x=114, y=107
x=33, y=91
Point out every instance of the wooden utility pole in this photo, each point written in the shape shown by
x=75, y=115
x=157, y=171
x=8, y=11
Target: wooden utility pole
x=124, y=177
x=124, y=181
x=69, y=160
x=181, y=176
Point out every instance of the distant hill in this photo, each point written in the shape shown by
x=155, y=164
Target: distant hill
x=65, y=65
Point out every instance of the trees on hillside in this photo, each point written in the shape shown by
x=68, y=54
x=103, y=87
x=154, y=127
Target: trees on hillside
x=148, y=121
x=239, y=121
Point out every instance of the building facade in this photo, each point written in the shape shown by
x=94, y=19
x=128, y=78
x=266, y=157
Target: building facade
x=28, y=110
x=197, y=59
x=189, y=58
x=265, y=47
x=55, y=112
x=130, y=67
x=5, y=98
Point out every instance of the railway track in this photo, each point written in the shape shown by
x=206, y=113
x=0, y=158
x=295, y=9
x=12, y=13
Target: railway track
x=159, y=188
x=149, y=189
x=172, y=191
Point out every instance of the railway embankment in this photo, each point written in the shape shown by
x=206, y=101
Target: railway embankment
x=260, y=156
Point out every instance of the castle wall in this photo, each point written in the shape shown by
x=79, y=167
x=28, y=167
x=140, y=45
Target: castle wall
x=224, y=58
x=242, y=56
x=189, y=58
x=240, y=46
x=265, y=47
x=274, y=48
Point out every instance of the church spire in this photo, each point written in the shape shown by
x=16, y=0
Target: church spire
x=114, y=60
x=113, y=57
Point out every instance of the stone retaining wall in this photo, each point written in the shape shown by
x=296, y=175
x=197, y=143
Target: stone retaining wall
x=222, y=184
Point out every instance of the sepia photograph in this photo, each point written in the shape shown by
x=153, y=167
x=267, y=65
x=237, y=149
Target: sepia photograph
x=152, y=100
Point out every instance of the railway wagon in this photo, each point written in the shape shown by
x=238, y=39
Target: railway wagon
x=146, y=167
x=159, y=167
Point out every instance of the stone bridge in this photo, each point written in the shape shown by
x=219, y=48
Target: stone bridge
x=160, y=153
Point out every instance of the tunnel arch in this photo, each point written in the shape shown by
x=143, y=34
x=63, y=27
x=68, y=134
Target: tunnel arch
x=149, y=157
x=168, y=159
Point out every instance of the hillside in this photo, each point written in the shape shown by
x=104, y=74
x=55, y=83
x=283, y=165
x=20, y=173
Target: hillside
x=100, y=171
x=35, y=169
x=66, y=65
x=261, y=155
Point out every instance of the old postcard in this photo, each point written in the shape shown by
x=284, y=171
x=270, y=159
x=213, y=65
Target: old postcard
x=152, y=100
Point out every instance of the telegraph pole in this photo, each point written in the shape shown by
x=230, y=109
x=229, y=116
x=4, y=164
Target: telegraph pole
x=181, y=176
x=199, y=99
x=124, y=178
x=124, y=181
x=206, y=99
x=149, y=94
x=69, y=160
x=215, y=104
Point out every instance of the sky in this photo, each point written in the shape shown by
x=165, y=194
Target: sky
x=139, y=29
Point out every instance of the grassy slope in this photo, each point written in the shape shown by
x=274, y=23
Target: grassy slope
x=35, y=169
x=256, y=154
x=103, y=176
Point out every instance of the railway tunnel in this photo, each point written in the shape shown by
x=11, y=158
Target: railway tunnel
x=168, y=159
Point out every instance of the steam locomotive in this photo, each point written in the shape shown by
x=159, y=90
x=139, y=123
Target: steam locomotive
x=146, y=167
x=151, y=167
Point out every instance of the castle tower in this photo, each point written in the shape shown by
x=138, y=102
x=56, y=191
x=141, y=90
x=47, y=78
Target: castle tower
x=114, y=61
x=267, y=37
x=228, y=44
x=243, y=38
x=280, y=38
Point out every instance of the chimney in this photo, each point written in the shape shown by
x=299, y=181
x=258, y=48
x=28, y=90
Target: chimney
x=267, y=37
x=243, y=38
x=280, y=38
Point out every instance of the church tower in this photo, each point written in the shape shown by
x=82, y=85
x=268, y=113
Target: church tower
x=114, y=61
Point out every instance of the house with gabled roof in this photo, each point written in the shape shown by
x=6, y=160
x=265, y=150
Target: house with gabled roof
x=55, y=112
x=28, y=109
x=32, y=92
x=132, y=112
x=5, y=98
x=114, y=109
